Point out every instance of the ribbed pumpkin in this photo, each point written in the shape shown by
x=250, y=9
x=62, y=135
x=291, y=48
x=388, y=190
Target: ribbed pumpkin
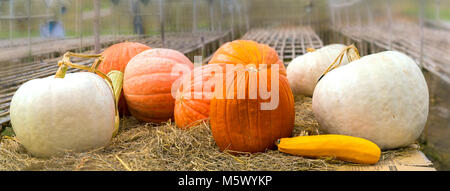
x=116, y=57
x=148, y=81
x=194, y=95
x=247, y=52
x=241, y=124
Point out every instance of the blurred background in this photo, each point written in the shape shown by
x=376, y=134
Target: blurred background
x=35, y=32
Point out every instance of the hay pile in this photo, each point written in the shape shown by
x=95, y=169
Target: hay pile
x=165, y=147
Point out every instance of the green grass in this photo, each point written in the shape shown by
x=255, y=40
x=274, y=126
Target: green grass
x=18, y=34
x=412, y=10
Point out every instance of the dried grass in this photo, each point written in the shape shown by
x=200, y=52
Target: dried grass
x=164, y=147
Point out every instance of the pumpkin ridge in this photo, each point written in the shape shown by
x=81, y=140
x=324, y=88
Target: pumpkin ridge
x=284, y=90
x=258, y=130
x=273, y=117
x=249, y=122
x=255, y=54
x=223, y=115
x=232, y=83
x=182, y=59
x=174, y=60
x=258, y=133
x=148, y=74
x=228, y=54
x=267, y=57
x=226, y=104
x=190, y=115
x=156, y=53
x=167, y=63
x=227, y=126
x=190, y=105
x=243, y=126
x=170, y=60
x=141, y=88
x=191, y=110
x=244, y=49
x=259, y=114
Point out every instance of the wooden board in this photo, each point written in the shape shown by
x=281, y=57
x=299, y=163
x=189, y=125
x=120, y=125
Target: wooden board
x=412, y=161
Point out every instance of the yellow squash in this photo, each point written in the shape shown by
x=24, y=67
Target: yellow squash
x=346, y=148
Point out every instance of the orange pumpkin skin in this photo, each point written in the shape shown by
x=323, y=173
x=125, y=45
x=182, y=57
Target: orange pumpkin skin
x=240, y=124
x=116, y=57
x=148, y=81
x=194, y=95
x=247, y=52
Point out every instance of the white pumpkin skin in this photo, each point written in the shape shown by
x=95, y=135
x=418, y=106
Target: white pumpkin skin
x=53, y=115
x=381, y=97
x=304, y=71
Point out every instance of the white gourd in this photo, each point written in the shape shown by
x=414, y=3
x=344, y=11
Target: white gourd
x=53, y=115
x=382, y=97
x=73, y=112
x=304, y=71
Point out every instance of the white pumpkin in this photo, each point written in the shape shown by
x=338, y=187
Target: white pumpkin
x=382, y=97
x=304, y=71
x=53, y=115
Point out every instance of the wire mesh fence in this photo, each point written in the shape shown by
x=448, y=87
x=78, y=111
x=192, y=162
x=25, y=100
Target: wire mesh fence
x=409, y=26
x=26, y=23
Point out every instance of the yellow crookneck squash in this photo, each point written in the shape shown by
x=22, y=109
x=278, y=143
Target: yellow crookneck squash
x=346, y=148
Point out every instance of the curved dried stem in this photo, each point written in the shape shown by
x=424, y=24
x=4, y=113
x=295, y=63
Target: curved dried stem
x=351, y=56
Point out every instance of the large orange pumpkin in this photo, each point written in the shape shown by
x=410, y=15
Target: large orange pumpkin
x=148, y=81
x=194, y=95
x=242, y=124
x=116, y=57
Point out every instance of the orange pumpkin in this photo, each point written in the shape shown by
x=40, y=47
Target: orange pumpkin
x=247, y=52
x=194, y=95
x=148, y=82
x=116, y=57
x=240, y=123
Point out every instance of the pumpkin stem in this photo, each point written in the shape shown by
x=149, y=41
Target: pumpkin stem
x=65, y=62
x=116, y=85
x=352, y=54
x=310, y=49
x=61, y=73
